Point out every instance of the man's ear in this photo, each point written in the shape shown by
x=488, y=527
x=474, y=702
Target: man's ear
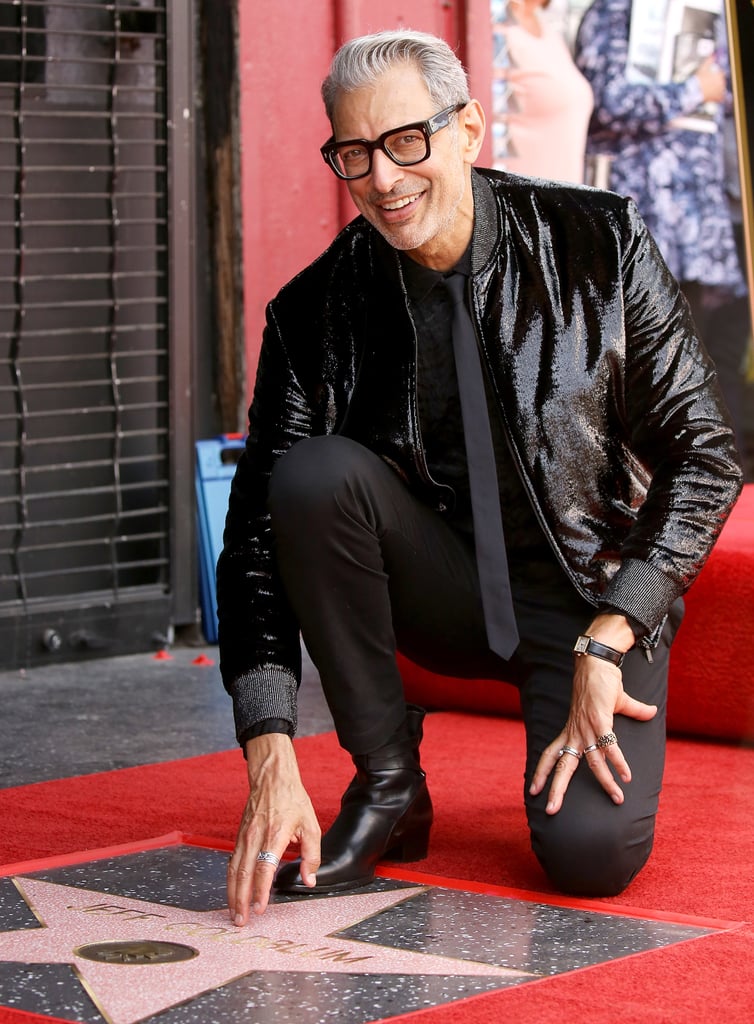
x=471, y=127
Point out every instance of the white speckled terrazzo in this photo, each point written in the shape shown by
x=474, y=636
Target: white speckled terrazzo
x=388, y=949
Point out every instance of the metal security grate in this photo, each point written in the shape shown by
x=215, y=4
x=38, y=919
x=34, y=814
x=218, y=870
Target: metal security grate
x=84, y=369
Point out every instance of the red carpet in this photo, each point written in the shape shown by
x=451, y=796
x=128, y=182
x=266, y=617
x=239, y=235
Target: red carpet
x=702, y=864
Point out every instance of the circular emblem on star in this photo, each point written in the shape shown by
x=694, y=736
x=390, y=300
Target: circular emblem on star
x=138, y=954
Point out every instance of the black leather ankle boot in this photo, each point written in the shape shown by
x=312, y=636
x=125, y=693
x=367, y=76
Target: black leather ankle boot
x=385, y=813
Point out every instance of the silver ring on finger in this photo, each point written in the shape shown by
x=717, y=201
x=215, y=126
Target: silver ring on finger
x=591, y=747
x=570, y=750
x=268, y=857
x=607, y=740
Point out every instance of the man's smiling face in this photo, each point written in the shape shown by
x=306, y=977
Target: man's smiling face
x=425, y=210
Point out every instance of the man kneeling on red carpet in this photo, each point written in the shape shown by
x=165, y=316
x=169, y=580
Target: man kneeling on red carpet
x=484, y=433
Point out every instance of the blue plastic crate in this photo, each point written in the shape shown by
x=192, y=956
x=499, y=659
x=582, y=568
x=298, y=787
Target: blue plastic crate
x=215, y=465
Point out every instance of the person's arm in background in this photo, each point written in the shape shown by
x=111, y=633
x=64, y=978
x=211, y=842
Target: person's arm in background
x=626, y=108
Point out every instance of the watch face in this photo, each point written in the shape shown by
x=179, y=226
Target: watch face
x=582, y=644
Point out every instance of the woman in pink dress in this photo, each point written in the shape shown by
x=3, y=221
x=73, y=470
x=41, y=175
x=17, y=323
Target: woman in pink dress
x=549, y=100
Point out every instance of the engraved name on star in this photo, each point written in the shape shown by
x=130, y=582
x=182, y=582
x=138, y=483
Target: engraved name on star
x=297, y=936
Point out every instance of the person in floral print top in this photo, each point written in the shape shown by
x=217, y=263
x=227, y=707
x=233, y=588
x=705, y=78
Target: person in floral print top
x=675, y=175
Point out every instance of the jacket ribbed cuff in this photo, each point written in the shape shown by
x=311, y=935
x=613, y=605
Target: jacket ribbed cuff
x=266, y=692
x=642, y=592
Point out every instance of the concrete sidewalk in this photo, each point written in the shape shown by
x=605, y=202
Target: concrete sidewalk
x=91, y=716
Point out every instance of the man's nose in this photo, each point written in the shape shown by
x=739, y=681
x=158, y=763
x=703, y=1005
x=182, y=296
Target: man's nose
x=385, y=172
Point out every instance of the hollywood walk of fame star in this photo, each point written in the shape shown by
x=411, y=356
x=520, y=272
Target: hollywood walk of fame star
x=297, y=936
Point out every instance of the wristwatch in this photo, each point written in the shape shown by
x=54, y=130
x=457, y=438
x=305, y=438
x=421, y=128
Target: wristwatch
x=588, y=645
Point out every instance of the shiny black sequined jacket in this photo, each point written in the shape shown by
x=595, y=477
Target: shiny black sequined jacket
x=610, y=406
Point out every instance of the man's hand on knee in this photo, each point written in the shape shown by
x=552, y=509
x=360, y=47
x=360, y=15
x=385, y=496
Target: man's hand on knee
x=598, y=696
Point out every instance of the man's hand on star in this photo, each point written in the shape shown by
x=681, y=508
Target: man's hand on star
x=278, y=812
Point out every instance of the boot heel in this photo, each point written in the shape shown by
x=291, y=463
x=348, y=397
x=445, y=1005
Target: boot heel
x=412, y=846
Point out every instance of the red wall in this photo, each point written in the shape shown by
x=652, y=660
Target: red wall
x=293, y=206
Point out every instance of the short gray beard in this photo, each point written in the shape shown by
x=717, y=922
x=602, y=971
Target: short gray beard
x=405, y=244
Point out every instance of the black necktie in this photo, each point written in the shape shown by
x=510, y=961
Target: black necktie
x=489, y=540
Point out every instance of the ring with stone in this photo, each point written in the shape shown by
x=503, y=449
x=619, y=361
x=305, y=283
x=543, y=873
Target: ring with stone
x=267, y=857
x=607, y=740
x=570, y=750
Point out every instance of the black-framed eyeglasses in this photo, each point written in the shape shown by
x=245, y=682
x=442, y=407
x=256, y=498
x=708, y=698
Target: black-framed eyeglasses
x=405, y=146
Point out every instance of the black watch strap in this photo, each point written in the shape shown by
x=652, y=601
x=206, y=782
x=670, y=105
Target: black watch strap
x=588, y=645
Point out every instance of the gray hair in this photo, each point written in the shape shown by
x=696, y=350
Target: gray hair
x=361, y=62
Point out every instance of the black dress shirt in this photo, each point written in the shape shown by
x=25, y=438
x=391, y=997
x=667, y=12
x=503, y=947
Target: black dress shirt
x=442, y=428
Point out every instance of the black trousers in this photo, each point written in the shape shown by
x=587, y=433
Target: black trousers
x=369, y=569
